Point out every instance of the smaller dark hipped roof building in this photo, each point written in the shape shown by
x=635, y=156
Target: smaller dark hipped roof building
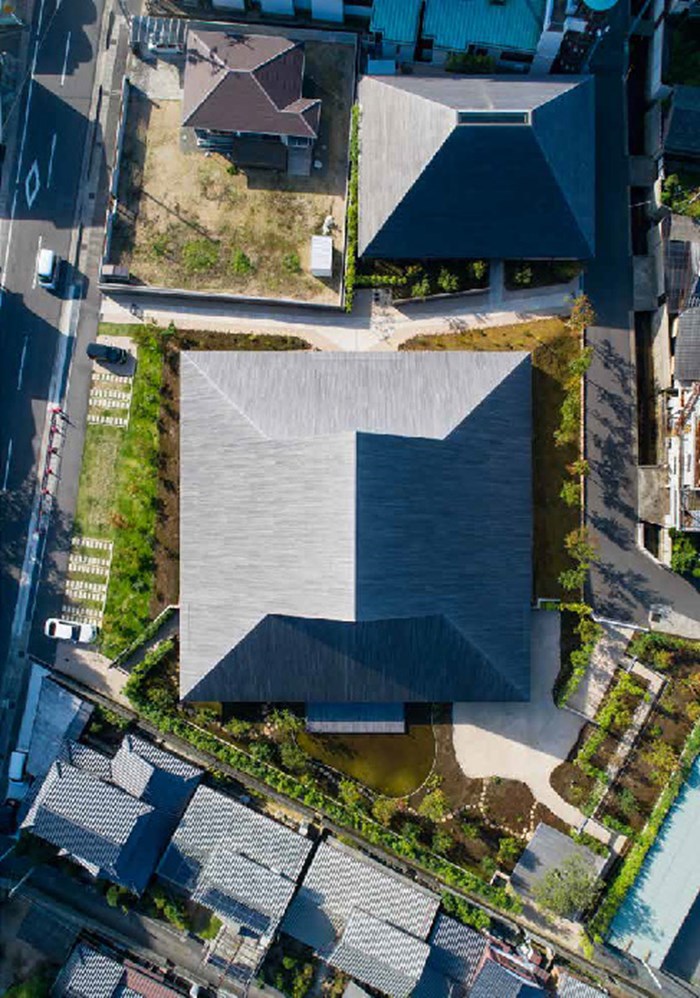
x=248, y=84
x=476, y=167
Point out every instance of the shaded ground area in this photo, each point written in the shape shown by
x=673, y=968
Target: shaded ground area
x=394, y=765
x=193, y=221
x=553, y=346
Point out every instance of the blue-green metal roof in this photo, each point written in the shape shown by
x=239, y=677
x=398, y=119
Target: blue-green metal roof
x=396, y=19
x=456, y=24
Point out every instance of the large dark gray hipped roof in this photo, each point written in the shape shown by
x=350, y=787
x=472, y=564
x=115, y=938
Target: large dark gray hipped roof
x=472, y=167
x=355, y=527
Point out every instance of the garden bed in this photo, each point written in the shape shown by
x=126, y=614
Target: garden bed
x=553, y=346
x=423, y=278
x=520, y=274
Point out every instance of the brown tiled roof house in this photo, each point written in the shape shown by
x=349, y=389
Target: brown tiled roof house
x=248, y=87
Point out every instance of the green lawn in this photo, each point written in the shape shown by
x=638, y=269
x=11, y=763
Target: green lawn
x=98, y=475
x=552, y=345
x=393, y=765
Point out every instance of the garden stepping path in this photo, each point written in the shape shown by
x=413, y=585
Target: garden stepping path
x=109, y=403
x=607, y=655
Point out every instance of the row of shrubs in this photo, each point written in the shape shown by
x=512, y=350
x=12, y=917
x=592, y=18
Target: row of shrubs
x=421, y=279
x=631, y=867
x=146, y=634
x=163, y=712
x=352, y=220
x=588, y=631
x=613, y=714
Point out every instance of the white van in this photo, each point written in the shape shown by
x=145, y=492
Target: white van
x=47, y=264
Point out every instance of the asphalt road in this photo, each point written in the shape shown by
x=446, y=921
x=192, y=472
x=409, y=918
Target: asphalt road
x=51, y=124
x=625, y=582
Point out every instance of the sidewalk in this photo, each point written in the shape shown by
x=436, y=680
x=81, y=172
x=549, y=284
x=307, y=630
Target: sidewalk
x=370, y=326
x=606, y=657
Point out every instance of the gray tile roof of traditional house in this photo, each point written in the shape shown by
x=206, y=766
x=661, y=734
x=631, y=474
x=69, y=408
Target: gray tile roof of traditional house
x=494, y=980
x=456, y=955
x=338, y=536
x=572, y=987
x=547, y=850
x=380, y=954
x=472, y=167
x=683, y=133
x=89, y=973
x=247, y=83
x=687, y=350
x=111, y=834
x=113, y=816
x=60, y=714
x=234, y=861
x=341, y=881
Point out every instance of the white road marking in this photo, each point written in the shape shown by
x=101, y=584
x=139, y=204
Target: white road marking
x=50, y=169
x=7, y=466
x=65, y=60
x=32, y=184
x=22, y=359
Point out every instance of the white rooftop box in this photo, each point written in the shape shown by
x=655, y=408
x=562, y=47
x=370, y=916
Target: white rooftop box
x=322, y=256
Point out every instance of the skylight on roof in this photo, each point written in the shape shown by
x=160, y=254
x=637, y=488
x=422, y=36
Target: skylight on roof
x=493, y=116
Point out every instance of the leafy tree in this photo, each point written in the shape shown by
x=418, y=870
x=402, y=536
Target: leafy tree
x=262, y=750
x=470, y=830
x=523, y=276
x=384, y=809
x=421, y=289
x=580, y=364
x=412, y=832
x=38, y=985
x=662, y=759
x=293, y=758
x=286, y=721
x=579, y=546
x=509, y=849
x=573, y=578
x=567, y=890
x=579, y=467
x=442, y=842
x=240, y=263
x=350, y=794
x=434, y=805
x=447, y=281
x=571, y=493
x=685, y=557
x=238, y=727
x=582, y=313
x=480, y=269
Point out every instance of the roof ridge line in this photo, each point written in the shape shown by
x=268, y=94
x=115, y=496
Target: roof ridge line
x=281, y=110
x=210, y=381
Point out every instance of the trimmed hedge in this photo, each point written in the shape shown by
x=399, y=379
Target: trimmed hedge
x=632, y=865
x=166, y=717
x=352, y=218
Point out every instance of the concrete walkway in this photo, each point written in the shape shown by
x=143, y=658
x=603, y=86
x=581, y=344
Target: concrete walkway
x=91, y=668
x=523, y=741
x=371, y=325
x=607, y=655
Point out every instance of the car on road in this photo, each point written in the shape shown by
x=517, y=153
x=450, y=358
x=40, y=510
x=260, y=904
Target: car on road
x=47, y=269
x=106, y=353
x=70, y=630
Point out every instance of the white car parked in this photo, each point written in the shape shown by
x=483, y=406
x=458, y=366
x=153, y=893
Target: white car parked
x=70, y=630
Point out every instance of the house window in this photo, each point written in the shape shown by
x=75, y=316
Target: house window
x=298, y=140
x=493, y=117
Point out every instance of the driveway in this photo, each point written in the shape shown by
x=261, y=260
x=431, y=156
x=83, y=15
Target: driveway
x=523, y=741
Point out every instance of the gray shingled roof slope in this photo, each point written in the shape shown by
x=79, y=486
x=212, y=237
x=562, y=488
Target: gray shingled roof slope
x=456, y=950
x=88, y=974
x=430, y=186
x=494, y=980
x=683, y=135
x=60, y=714
x=687, y=352
x=572, y=987
x=247, y=83
x=380, y=955
x=154, y=776
x=338, y=536
x=341, y=880
x=114, y=835
x=235, y=861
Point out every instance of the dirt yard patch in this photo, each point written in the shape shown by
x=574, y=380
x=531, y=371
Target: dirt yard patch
x=194, y=221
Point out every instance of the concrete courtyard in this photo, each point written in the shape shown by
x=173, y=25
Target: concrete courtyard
x=523, y=741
